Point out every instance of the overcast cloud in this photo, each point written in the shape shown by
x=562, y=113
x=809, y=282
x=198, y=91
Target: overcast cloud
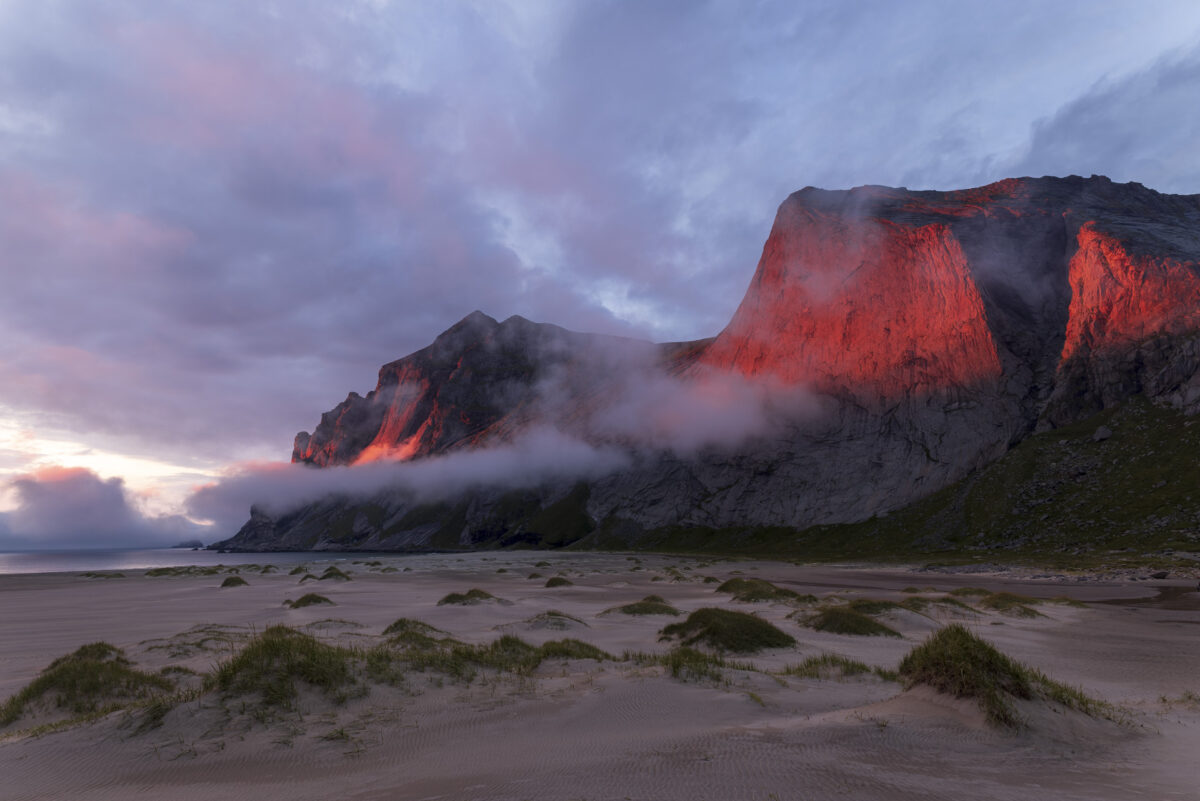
x=220, y=217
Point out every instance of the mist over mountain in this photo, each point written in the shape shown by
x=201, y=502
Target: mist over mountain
x=890, y=343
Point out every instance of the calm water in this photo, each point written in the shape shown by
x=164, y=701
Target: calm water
x=124, y=559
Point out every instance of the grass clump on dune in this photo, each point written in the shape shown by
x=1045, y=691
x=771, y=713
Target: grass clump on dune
x=558, y=581
x=650, y=605
x=842, y=620
x=826, y=666
x=234, y=581
x=920, y=604
x=332, y=573
x=1011, y=603
x=966, y=592
x=94, y=679
x=872, y=606
x=273, y=663
x=471, y=596
x=956, y=662
x=753, y=590
x=725, y=630
x=308, y=599
x=417, y=649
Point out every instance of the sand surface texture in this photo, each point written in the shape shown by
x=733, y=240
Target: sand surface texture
x=578, y=728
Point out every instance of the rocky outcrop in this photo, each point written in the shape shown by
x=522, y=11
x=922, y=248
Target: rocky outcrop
x=928, y=333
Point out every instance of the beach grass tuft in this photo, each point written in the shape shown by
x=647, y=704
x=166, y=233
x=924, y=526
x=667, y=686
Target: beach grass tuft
x=308, y=599
x=725, y=630
x=956, y=662
x=843, y=620
x=96, y=677
x=470, y=597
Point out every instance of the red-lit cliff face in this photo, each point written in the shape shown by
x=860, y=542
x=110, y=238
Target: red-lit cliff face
x=480, y=382
x=1119, y=298
x=861, y=306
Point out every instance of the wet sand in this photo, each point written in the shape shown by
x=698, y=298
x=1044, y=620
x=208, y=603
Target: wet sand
x=612, y=729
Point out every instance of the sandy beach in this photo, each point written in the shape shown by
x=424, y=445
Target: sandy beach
x=625, y=727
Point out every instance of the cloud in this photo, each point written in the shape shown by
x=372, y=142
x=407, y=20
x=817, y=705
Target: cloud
x=75, y=508
x=1138, y=127
x=538, y=455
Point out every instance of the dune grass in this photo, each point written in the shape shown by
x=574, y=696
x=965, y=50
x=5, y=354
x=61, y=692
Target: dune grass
x=688, y=664
x=1010, y=603
x=188, y=570
x=93, y=679
x=558, y=581
x=754, y=590
x=554, y=619
x=234, y=581
x=826, y=666
x=272, y=664
x=308, y=599
x=415, y=649
x=956, y=662
x=470, y=597
x=873, y=606
x=334, y=574
x=725, y=630
x=650, y=605
x=842, y=620
x=921, y=604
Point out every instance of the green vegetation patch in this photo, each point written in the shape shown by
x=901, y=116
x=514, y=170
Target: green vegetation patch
x=94, y=679
x=842, y=620
x=725, y=630
x=272, y=664
x=308, y=599
x=96, y=575
x=956, y=662
x=234, y=581
x=835, y=666
x=650, y=605
x=753, y=590
x=554, y=619
x=470, y=597
x=420, y=651
x=1010, y=603
x=872, y=606
x=188, y=570
x=558, y=581
x=689, y=664
x=334, y=574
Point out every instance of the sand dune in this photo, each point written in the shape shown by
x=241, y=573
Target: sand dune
x=623, y=728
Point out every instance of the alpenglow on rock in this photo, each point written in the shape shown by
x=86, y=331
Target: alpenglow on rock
x=925, y=332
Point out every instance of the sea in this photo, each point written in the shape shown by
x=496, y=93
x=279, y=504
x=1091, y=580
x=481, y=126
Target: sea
x=144, y=559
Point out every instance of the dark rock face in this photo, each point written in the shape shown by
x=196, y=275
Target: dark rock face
x=935, y=330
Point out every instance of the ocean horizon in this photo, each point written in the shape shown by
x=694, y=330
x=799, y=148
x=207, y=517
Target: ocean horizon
x=117, y=559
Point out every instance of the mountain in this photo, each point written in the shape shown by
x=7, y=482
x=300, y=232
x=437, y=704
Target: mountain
x=891, y=343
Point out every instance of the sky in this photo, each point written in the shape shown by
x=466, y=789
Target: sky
x=218, y=218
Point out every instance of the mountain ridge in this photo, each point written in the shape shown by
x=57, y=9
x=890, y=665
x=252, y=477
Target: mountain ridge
x=933, y=330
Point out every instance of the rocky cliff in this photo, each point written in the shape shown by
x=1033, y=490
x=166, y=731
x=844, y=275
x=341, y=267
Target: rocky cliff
x=929, y=332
